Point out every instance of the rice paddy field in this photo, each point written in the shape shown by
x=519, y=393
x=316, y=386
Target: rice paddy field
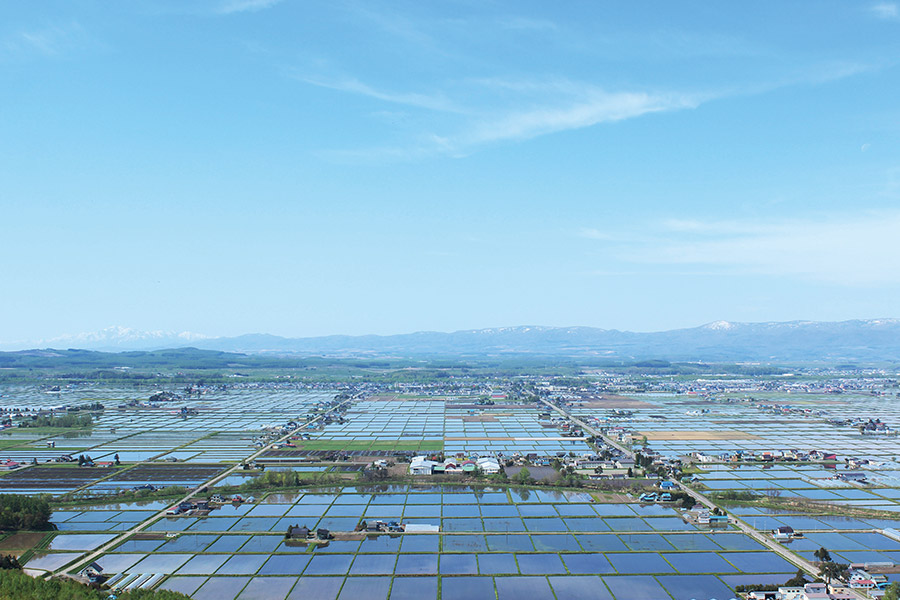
x=492, y=541
x=449, y=422
x=223, y=428
x=800, y=422
x=487, y=542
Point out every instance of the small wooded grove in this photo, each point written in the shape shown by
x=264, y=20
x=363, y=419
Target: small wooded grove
x=16, y=585
x=24, y=512
x=58, y=421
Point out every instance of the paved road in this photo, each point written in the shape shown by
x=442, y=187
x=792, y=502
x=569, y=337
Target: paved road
x=89, y=558
x=760, y=537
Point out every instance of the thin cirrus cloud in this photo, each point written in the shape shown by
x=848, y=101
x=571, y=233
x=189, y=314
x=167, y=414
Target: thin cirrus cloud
x=491, y=111
x=436, y=102
x=887, y=11
x=494, y=110
x=592, y=108
x=843, y=250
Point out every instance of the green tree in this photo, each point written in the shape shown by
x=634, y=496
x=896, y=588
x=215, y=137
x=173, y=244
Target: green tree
x=832, y=570
x=798, y=580
x=24, y=512
x=822, y=555
x=8, y=561
x=523, y=476
x=892, y=592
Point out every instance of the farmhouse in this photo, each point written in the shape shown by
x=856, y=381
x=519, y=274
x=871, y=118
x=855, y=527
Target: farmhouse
x=421, y=466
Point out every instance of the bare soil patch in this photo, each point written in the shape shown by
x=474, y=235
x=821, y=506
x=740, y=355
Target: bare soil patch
x=538, y=473
x=615, y=401
x=149, y=536
x=18, y=543
x=63, y=476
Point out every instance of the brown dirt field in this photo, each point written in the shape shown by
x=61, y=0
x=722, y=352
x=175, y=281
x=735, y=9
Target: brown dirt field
x=146, y=535
x=18, y=543
x=614, y=401
x=697, y=435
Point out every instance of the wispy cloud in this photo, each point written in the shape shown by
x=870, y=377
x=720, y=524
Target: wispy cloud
x=238, y=6
x=498, y=114
x=839, y=249
x=592, y=108
x=498, y=109
x=888, y=11
x=435, y=101
x=487, y=109
x=54, y=41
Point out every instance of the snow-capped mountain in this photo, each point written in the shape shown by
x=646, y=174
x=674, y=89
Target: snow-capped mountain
x=116, y=338
x=859, y=340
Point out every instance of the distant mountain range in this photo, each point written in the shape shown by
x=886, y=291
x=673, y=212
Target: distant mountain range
x=845, y=341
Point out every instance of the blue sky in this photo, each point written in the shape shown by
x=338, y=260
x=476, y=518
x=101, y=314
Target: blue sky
x=309, y=168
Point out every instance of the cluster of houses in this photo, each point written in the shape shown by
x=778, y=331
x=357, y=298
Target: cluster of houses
x=564, y=425
x=599, y=468
x=765, y=456
x=203, y=507
x=810, y=591
x=858, y=578
x=620, y=434
x=424, y=465
x=198, y=507
x=302, y=532
x=664, y=495
x=703, y=516
x=786, y=409
x=865, y=426
x=381, y=527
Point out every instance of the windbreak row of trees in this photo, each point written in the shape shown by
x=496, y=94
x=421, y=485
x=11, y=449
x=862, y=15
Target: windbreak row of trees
x=24, y=512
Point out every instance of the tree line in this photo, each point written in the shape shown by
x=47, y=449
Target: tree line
x=18, y=511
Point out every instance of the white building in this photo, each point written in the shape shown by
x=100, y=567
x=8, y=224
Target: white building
x=420, y=465
x=488, y=466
